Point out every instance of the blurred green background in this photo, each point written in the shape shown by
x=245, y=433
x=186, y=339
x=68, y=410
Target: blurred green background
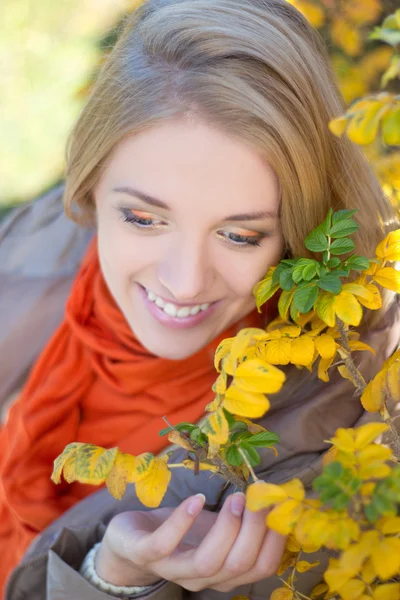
x=48, y=51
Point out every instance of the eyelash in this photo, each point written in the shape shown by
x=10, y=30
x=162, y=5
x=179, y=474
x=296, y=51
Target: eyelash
x=238, y=240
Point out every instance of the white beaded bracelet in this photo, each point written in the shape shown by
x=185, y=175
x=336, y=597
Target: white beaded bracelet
x=88, y=570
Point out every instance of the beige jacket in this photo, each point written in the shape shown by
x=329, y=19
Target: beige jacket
x=40, y=251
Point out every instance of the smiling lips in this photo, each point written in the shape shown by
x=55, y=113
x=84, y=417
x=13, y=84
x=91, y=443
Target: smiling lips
x=174, y=316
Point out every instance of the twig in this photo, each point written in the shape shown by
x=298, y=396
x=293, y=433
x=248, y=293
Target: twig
x=354, y=372
x=246, y=460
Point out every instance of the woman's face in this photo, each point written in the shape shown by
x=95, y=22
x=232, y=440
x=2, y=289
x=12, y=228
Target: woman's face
x=187, y=225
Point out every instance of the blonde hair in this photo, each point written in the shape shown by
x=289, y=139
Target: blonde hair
x=253, y=68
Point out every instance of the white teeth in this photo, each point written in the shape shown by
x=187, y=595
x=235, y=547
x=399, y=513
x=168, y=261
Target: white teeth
x=170, y=309
x=174, y=311
x=160, y=302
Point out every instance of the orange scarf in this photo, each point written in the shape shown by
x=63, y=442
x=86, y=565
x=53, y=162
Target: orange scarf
x=93, y=383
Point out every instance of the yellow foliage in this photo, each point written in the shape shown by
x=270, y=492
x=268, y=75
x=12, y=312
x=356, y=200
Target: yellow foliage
x=360, y=12
x=389, y=248
x=85, y=463
x=346, y=36
x=352, y=440
x=150, y=489
x=261, y=495
x=216, y=427
x=303, y=566
x=245, y=338
x=245, y=404
x=284, y=517
x=387, y=591
x=255, y=375
x=312, y=12
x=302, y=350
x=282, y=594
x=389, y=278
x=325, y=345
x=348, y=309
x=220, y=353
x=120, y=474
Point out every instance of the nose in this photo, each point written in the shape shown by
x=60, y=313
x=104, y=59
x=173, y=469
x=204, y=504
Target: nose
x=185, y=270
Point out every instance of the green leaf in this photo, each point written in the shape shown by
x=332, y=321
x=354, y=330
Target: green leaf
x=264, y=439
x=240, y=435
x=342, y=215
x=337, y=485
x=165, y=431
x=278, y=271
x=185, y=426
x=389, y=36
x=230, y=418
x=286, y=281
x=341, y=272
x=330, y=283
x=199, y=437
x=358, y=263
x=251, y=453
x=309, y=272
x=342, y=246
x=333, y=262
x=239, y=426
x=233, y=456
x=343, y=228
x=316, y=241
x=327, y=223
x=265, y=291
x=305, y=296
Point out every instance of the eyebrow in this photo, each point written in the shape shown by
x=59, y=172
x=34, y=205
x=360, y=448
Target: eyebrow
x=255, y=216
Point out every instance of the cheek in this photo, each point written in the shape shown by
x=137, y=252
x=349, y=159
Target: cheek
x=243, y=272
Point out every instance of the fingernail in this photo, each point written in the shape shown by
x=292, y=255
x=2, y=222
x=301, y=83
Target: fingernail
x=238, y=503
x=196, y=504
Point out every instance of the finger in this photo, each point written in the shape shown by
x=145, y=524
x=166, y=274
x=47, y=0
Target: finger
x=245, y=551
x=205, y=560
x=163, y=541
x=212, y=552
x=266, y=565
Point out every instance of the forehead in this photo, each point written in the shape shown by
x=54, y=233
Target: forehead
x=196, y=164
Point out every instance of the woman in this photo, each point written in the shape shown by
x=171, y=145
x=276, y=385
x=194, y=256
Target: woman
x=202, y=157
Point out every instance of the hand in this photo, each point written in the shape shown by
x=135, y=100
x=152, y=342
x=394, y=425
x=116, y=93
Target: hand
x=192, y=547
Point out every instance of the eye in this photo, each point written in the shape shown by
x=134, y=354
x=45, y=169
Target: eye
x=140, y=219
x=243, y=240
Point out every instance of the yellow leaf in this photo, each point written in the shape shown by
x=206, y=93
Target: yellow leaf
x=325, y=345
x=376, y=470
x=373, y=453
x=292, y=331
x=346, y=36
x=120, y=474
x=366, y=434
x=264, y=290
x=151, y=489
x=336, y=578
x=143, y=464
x=213, y=448
x=282, y=594
x=302, y=351
x=245, y=338
x=323, y=367
x=89, y=464
x=175, y=438
x=284, y=516
x=325, y=308
x=229, y=365
x=219, y=386
x=348, y=309
x=352, y=589
x=368, y=573
x=389, y=525
x=215, y=404
x=294, y=489
x=303, y=566
x=385, y=557
x=288, y=560
x=387, y=591
x=363, y=126
x=393, y=380
x=319, y=589
x=358, y=290
x=388, y=278
x=373, y=397
x=222, y=350
x=374, y=302
x=68, y=452
x=345, y=373
x=391, y=120
x=245, y=404
x=359, y=346
x=255, y=375
x=216, y=427
x=277, y=352
x=389, y=248
x=260, y=495
x=338, y=126
x=284, y=303
x=292, y=545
